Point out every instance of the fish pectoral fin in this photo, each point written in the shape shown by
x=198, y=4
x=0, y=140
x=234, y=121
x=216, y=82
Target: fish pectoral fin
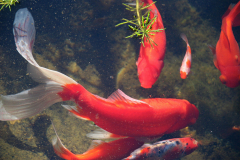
x=213, y=50
x=78, y=116
x=76, y=112
x=215, y=62
x=103, y=134
x=118, y=95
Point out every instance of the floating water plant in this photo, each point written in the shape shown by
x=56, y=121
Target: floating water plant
x=142, y=23
x=8, y=3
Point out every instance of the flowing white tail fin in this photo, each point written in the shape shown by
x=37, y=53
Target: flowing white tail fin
x=24, y=34
x=32, y=101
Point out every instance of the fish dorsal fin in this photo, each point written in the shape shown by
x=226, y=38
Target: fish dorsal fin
x=95, y=143
x=118, y=95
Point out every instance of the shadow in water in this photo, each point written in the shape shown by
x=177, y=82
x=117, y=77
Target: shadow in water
x=39, y=127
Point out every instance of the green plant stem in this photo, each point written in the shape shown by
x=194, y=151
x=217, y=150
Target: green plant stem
x=138, y=13
x=142, y=23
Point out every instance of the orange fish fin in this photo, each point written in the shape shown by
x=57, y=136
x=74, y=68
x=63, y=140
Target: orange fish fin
x=234, y=14
x=228, y=10
x=236, y=21
x=76, y=112
x=215, y=63
x=60, y=149
x=80, y=117
x=103, y=134
x=213, y=49
x=94, y=144
x=118, y=95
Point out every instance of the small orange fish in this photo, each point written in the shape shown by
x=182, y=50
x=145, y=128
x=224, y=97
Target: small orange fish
x=99, y=150
x=229, y=131
x=227, y=54
x=187, y=60
x=165, y=150
x=150, y=62
x=152, y=117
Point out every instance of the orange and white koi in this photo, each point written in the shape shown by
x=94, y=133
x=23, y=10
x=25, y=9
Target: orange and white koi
x=98, y=150
x=134, y=118
x=187, y=60
x=165, y=150
x=227, y=54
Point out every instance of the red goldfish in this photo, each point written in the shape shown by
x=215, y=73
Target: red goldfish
x=186, y=63
x=118, y=114
x=165, y=150
x=227, y=54
x=150, y=61
x=99, y=150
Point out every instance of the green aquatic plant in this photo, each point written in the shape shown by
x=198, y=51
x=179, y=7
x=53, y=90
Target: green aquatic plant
x=142, y=23
x=8, y=3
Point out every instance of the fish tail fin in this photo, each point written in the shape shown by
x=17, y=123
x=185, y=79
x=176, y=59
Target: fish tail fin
x=55, y=87
x=60, y=149
x=24, y=34
x=54, y=84
x=29, y=102
x=230, y=7
x=188, y=52
x=233, y=14
x=184, y=37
